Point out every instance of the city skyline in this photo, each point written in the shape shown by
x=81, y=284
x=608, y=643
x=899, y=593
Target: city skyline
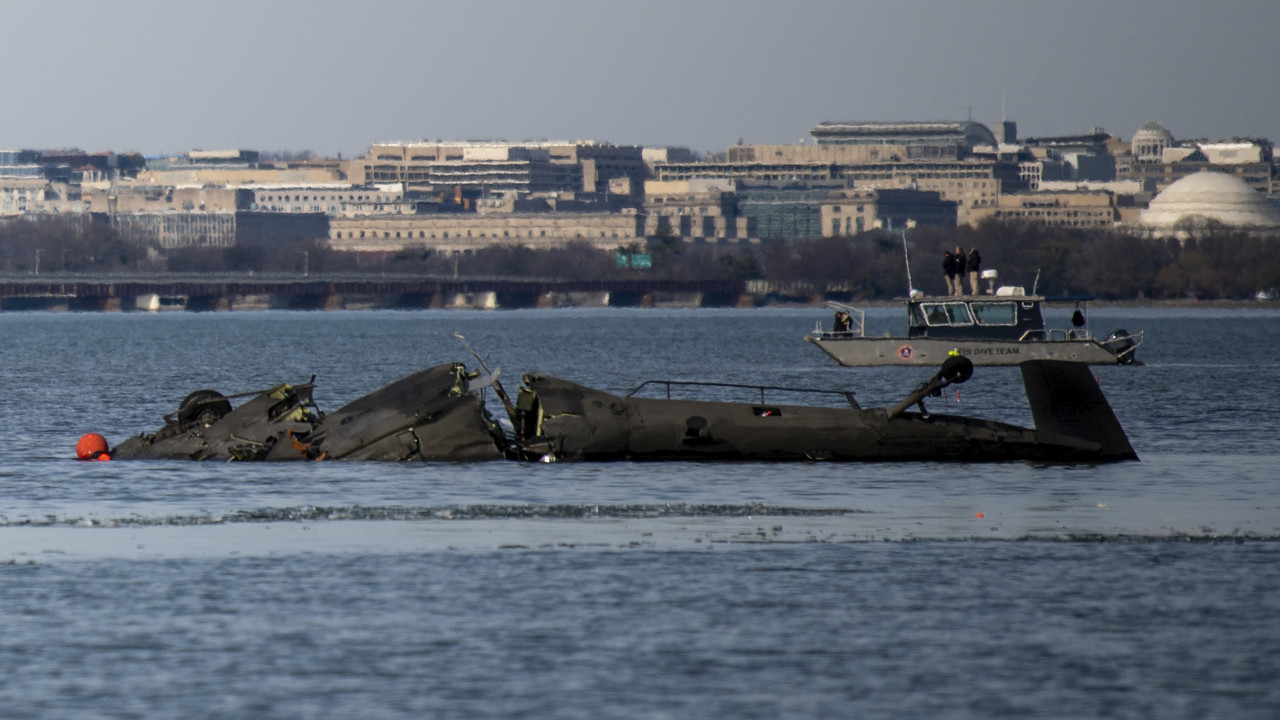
x=160, y=78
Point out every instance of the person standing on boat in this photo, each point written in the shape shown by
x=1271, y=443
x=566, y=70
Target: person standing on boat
x=975, y=262
x=949, y=271
x=843, y=324
x=959, y=281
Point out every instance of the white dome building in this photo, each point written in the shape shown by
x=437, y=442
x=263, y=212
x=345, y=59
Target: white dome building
x=1210, y=196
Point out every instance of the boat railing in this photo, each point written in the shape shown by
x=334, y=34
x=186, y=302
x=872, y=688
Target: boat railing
x=1135, y=340
x=1040, y=335
x=667, y=385
x=857, y=329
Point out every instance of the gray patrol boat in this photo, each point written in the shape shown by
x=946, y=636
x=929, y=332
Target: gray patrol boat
x=1006, y=327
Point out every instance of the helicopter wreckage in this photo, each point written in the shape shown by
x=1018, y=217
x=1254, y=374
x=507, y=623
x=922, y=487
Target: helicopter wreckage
x=439, y=414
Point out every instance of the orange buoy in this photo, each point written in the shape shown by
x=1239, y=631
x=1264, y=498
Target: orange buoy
x=92, y=446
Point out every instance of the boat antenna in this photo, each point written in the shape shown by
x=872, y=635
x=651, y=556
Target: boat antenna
x=1036, y=283
x=906, y=257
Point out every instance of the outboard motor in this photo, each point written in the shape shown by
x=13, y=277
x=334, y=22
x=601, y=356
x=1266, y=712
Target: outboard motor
x=1119, y=342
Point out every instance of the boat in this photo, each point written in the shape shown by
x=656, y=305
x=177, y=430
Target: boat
x=1004, y=327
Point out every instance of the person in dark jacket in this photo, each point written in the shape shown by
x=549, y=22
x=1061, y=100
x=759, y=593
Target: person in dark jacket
x=843, y=324
x=975, y=264
x=949, y=271
x=959, y=271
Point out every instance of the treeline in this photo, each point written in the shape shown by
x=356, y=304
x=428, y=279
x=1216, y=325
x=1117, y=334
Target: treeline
x=1206, y=261
x=70, y=244
x=88, y=244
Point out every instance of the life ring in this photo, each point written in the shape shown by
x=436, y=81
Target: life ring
x=905, y=353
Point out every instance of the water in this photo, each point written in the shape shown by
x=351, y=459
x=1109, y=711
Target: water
x=665, y=590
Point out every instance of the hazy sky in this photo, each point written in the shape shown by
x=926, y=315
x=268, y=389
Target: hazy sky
x=335, y=76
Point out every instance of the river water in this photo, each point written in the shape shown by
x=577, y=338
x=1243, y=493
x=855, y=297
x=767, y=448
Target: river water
x=630, y=590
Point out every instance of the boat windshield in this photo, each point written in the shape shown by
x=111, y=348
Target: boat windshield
x=952, y=313
x=998, y=313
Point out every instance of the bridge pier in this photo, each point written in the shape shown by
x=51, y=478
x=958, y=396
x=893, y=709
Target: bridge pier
x=475, y=301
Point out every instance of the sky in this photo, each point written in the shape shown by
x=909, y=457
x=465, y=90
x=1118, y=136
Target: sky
x=335, y=76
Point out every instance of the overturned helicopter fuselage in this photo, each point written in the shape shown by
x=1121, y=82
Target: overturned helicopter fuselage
x=560, y=420
x=433, y=414
x=440, y=414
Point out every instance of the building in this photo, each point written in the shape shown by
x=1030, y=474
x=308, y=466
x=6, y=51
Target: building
x=1150, y=142
x=1209, y=196
x=332, y=199
x=428, y=168
x=1086, y=157
x=1079, y=209
x=695, y=210
x=849, y=212
x=465, y=232
x=961, y=161
x=1157, y=160
x=133, y=197
x=917, y=140
x=171, y=230
x=784, y=211
x=226, y=174
x=970, y=183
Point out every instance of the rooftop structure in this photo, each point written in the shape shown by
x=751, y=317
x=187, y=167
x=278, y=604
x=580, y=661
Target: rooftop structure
x=1150, y=141
x=923, y=139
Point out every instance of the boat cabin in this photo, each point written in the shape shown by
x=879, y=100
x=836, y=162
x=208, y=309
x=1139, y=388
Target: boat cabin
x=1011, y=317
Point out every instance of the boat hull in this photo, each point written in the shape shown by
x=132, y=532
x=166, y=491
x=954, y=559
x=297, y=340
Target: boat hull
x=881, y=351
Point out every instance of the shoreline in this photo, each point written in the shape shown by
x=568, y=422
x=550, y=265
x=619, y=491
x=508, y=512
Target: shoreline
x=52, y=305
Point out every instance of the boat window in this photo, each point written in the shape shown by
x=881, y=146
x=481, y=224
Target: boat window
x=995, y=313
x=935, y=314
x=959, y=314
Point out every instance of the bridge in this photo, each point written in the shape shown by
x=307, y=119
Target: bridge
x=339, y=292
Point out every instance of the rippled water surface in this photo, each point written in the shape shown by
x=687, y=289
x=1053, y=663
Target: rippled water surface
x=171, y=589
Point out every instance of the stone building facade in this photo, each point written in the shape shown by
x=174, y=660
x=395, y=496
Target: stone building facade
x=1082, y=209
x=695, y=210
x=535, y=167
x=470, y=232
x=849, y=212
x=972, y=182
